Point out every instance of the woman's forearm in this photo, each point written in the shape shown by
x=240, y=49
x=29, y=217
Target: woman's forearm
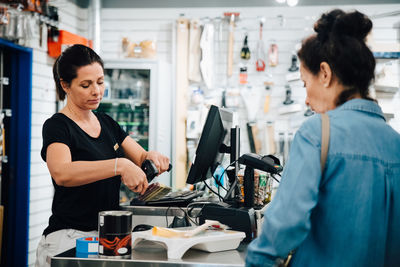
x=78, y=173
x=134, y=151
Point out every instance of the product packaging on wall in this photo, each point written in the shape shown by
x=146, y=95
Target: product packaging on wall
x=29, y=24
x=139, y=49
x=248, y=75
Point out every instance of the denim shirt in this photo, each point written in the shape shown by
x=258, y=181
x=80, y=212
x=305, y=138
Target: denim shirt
x=350, y=215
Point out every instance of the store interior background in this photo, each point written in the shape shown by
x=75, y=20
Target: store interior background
x=156, y=20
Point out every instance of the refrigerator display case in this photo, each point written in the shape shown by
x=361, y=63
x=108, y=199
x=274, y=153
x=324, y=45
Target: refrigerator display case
x=127, y=101
x=138, y=95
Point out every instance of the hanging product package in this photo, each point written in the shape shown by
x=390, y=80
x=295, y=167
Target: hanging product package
x=207, y=48
x=245, y=51
x=273, y=55
x=143, y=49
x=243, y=75
x=194, y=51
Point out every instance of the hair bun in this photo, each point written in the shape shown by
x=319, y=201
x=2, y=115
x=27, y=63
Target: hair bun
x=323, y=27
x=353, y=24
x=339, y=23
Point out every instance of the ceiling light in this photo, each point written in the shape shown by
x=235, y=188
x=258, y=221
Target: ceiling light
x=292, y=2
x=280, y=1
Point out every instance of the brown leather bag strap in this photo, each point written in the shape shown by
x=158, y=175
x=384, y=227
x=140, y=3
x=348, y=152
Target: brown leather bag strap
x=324, y=140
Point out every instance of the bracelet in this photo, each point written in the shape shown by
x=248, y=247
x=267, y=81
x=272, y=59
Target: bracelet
x=115, y=167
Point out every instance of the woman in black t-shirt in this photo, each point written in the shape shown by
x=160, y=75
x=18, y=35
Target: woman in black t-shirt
x=87, y=153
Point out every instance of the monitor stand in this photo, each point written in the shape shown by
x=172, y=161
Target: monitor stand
x=234, y=151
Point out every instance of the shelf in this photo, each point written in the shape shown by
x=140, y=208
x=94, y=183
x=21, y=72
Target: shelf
x=133, y=123
x=386, y=55
x=388, y=116
x=112, y=62
x=139, y=137
x=116, y=101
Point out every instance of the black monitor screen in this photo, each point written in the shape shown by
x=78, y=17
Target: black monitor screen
x=208, y=156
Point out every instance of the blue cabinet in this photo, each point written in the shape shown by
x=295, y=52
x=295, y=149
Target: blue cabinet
x=15, y=104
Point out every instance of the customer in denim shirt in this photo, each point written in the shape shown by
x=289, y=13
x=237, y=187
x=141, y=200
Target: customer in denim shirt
x=349, y=215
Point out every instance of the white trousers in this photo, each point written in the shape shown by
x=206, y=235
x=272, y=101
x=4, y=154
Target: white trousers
x=57, y=242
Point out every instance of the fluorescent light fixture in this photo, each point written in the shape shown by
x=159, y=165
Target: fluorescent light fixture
x=280, y=1
x=292, y=2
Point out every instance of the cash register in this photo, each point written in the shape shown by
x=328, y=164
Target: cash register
x=218, y=137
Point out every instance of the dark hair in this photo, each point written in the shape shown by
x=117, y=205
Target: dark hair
x=340, y=41
x=66, y=65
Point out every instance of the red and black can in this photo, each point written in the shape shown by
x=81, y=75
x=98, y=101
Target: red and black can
x=115, y=234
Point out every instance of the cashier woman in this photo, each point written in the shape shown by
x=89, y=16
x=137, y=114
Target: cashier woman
x=87, y=153
x=350, y=214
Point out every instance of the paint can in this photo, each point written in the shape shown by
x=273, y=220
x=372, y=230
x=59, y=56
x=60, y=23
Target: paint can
x=115, y=234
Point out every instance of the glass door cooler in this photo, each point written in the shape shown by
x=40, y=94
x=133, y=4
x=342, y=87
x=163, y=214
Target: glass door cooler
x=126, y=100
x=138, y=96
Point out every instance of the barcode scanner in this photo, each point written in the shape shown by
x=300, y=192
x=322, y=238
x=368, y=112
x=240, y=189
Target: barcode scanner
x=266, y=163
x=151, y=170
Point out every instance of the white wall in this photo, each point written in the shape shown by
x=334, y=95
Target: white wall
x=158, y=24
x=72, y=19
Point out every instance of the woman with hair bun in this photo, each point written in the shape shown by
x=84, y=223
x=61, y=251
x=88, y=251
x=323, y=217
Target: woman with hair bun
x=348, y=212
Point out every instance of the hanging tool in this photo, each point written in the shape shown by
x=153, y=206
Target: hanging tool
x=194, y=74
x=260, y=57
x=269, y=139
x=267, y=99
x=182, y=83
x=251, y=98
x=294, y=66
x=294, y=73
x=268, y=83
x=245, y=52
x=218, y=55
x=232, y=16
x=288, y=99
x=207, y=60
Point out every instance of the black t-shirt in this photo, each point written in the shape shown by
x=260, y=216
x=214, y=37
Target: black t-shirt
x=78, y=207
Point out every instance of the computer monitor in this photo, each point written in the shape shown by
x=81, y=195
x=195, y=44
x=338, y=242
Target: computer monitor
x=215, y=141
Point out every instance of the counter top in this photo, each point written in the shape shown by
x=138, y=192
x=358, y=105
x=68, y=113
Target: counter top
x=151, y=254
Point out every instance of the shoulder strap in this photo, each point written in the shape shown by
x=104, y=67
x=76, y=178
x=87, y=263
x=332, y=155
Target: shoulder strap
x=324, y=140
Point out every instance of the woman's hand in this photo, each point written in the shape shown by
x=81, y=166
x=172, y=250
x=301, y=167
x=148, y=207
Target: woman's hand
x=159, y=160
x=132, y=176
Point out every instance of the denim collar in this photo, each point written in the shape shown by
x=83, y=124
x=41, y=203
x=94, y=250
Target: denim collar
x=362, y=105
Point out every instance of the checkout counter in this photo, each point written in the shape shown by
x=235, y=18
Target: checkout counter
x=154, y=255
x=148, y=253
